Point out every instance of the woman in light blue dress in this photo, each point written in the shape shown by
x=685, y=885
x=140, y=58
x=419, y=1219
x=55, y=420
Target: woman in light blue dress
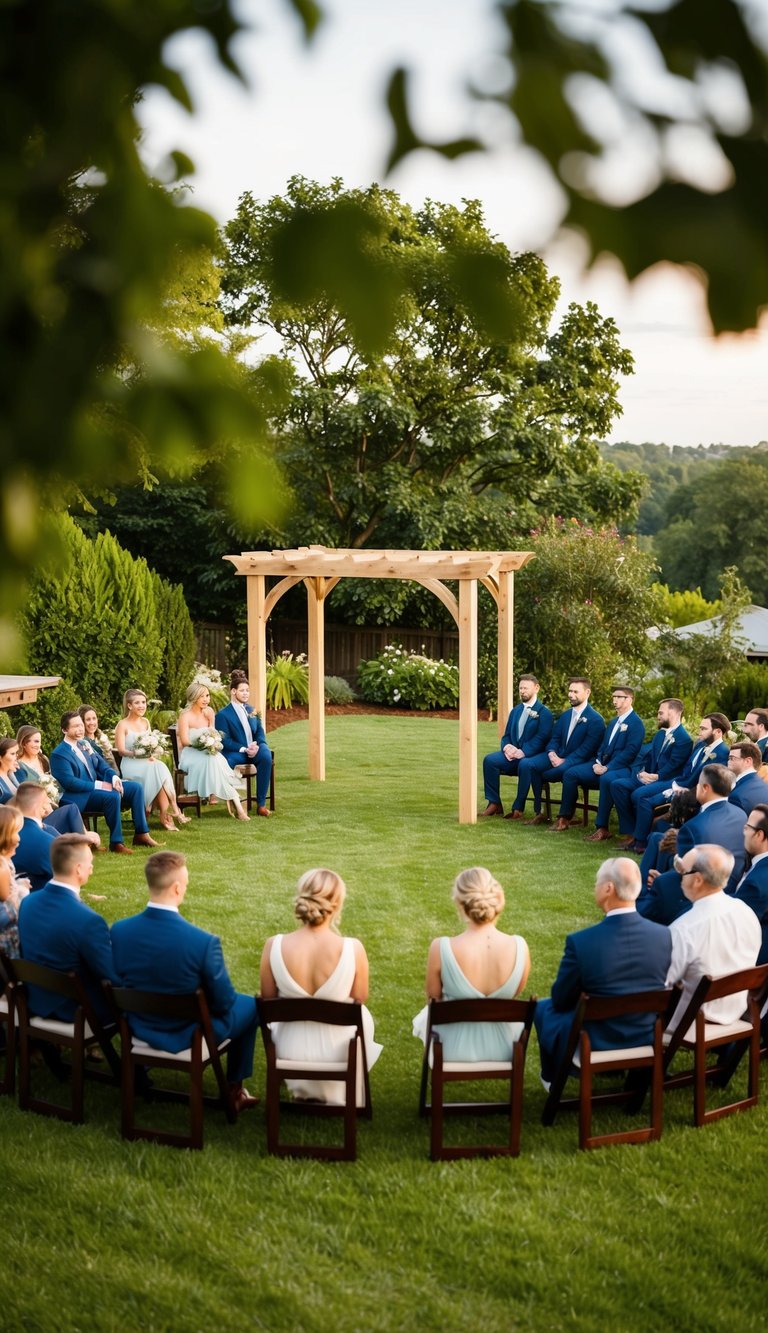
x=480, y=963
x=208, y=774
x=153, y=774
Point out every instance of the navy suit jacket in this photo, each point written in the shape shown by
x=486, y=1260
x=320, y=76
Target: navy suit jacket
x=57, y=930
x=621, y=954
x=536, y=732
x=754, y=892
x=73, y=778
x=623, y=750
x=33, y=854
x=751, y=790
x=160, y=951
x=233, y=737
x=690, y=774
x=672, y=761
x=586, y=737
x=721, y=823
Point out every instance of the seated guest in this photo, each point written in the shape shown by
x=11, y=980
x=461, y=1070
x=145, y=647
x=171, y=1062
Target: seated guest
x=662, y=845
x=624, y=736
x=58, y=930
x=749, y=789
x=9, y=755
x=622, y=954
x=96, y=738
x=756, y=729
x=529, y=727
x=159, y=951
x=12, y=888
x=33, y=854
x=88, y=782
x=480, y=963
x=207, y=771
x=576, y=738
x=717, y=936
x=34, y=767
x=315, y=961
x=150, y=771
x=244, y=738
x=648, y=799
x=752, y=889
x=662, y=898
x=665, y=760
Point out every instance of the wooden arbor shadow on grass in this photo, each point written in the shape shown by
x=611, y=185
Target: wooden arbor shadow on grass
x=320, y=568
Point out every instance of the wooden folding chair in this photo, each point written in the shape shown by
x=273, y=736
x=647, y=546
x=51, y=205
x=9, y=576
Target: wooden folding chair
x=441, y=1014
x=588, y=1062
x=8, y=1023
x=183, y=797
x=583, y=805
x=80, y=1036
x=203, y=1052
x=743, y=1035
x=337, y=1014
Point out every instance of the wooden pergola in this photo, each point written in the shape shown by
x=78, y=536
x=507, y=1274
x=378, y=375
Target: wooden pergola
x=319, y=568
x=16, y=690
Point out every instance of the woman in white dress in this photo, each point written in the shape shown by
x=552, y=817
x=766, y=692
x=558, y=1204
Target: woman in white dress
x=150, y=772
x=206, y=773
x=316, y=961
x=481, y=963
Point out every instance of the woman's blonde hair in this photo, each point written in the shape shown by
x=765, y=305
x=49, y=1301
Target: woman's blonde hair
x=195, y=691
x=478, y=894
x=319, y=894
x=11, y=821
x=129, y=697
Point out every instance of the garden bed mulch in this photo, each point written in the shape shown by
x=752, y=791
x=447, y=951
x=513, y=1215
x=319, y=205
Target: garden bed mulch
x=278, y=717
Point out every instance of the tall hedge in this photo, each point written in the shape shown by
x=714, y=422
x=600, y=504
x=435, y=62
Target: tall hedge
x=104, y=621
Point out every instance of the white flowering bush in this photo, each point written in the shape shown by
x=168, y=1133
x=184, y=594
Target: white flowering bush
x=408, y=680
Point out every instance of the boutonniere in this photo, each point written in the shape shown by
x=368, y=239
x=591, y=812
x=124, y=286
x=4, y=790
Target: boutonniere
x=670, y=740
x=622, y=726
x=582, y=720
x=532, y=712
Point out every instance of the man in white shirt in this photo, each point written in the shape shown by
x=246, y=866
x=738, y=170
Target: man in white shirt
x=719, y=935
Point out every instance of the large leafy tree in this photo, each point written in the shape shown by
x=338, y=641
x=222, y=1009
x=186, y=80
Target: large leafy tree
x=462, y=425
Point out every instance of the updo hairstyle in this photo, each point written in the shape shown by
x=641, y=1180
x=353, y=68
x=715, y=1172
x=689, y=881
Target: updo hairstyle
x=478, y=895
x=320, y=894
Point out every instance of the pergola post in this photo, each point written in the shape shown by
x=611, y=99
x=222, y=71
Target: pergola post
x=316, y=654
x=506, y=683
x=467, y=701
x=257, y=640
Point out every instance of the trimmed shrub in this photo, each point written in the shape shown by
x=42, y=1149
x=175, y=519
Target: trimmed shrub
x=408, y=680
x=178, y=652
x=338, y=691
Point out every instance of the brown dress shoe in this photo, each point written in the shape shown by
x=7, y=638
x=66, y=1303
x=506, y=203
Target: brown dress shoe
x=560, y=825
x=144, y=840
x=538, y=819
x=263, y=811
x=626, y=846
x=514, y=814
x=599, y=835
x=492, y=809
x=120, y=848
x=242, y=1100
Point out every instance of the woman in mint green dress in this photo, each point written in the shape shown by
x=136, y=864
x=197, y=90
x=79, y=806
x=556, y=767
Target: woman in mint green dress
x=480, y=963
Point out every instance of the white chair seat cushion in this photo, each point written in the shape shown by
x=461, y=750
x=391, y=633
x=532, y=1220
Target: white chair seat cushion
x=3, y=1005
x=623, y=1053
x=56, y=1026
x=714, y=1030
x=140, y=1048
x=477, y=1067
x=315, y=1067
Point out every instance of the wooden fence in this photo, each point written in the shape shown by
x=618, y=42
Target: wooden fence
x=345, y=645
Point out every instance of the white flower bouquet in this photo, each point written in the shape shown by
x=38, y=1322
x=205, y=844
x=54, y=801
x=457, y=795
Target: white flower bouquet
x=209, y=741
x=151, y=745
x=52, y=788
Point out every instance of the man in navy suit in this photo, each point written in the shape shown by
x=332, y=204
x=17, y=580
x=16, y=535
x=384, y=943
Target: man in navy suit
x=88, y=782
x=529, y=727
x=665, y=760
x=623, y=738
x=753, y=887
x=620, y=955
x=160, y=951
x=58, y=930
x=244, y=738
x=33, y=854
x=718, y=822
x=576, y=738
x=749, y=789
x=756, y=729
x=710, y=748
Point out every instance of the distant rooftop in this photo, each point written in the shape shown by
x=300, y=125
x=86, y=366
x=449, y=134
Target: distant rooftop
x=752, y=628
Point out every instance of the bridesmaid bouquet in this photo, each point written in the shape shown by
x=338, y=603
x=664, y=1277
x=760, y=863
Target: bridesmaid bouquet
x=209, y=741
x=52, y=788
x=151, y=745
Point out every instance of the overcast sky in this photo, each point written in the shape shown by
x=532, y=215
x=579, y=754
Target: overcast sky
x=318, y=113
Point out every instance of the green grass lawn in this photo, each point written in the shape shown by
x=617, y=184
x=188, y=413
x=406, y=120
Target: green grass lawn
x=102, y=1234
